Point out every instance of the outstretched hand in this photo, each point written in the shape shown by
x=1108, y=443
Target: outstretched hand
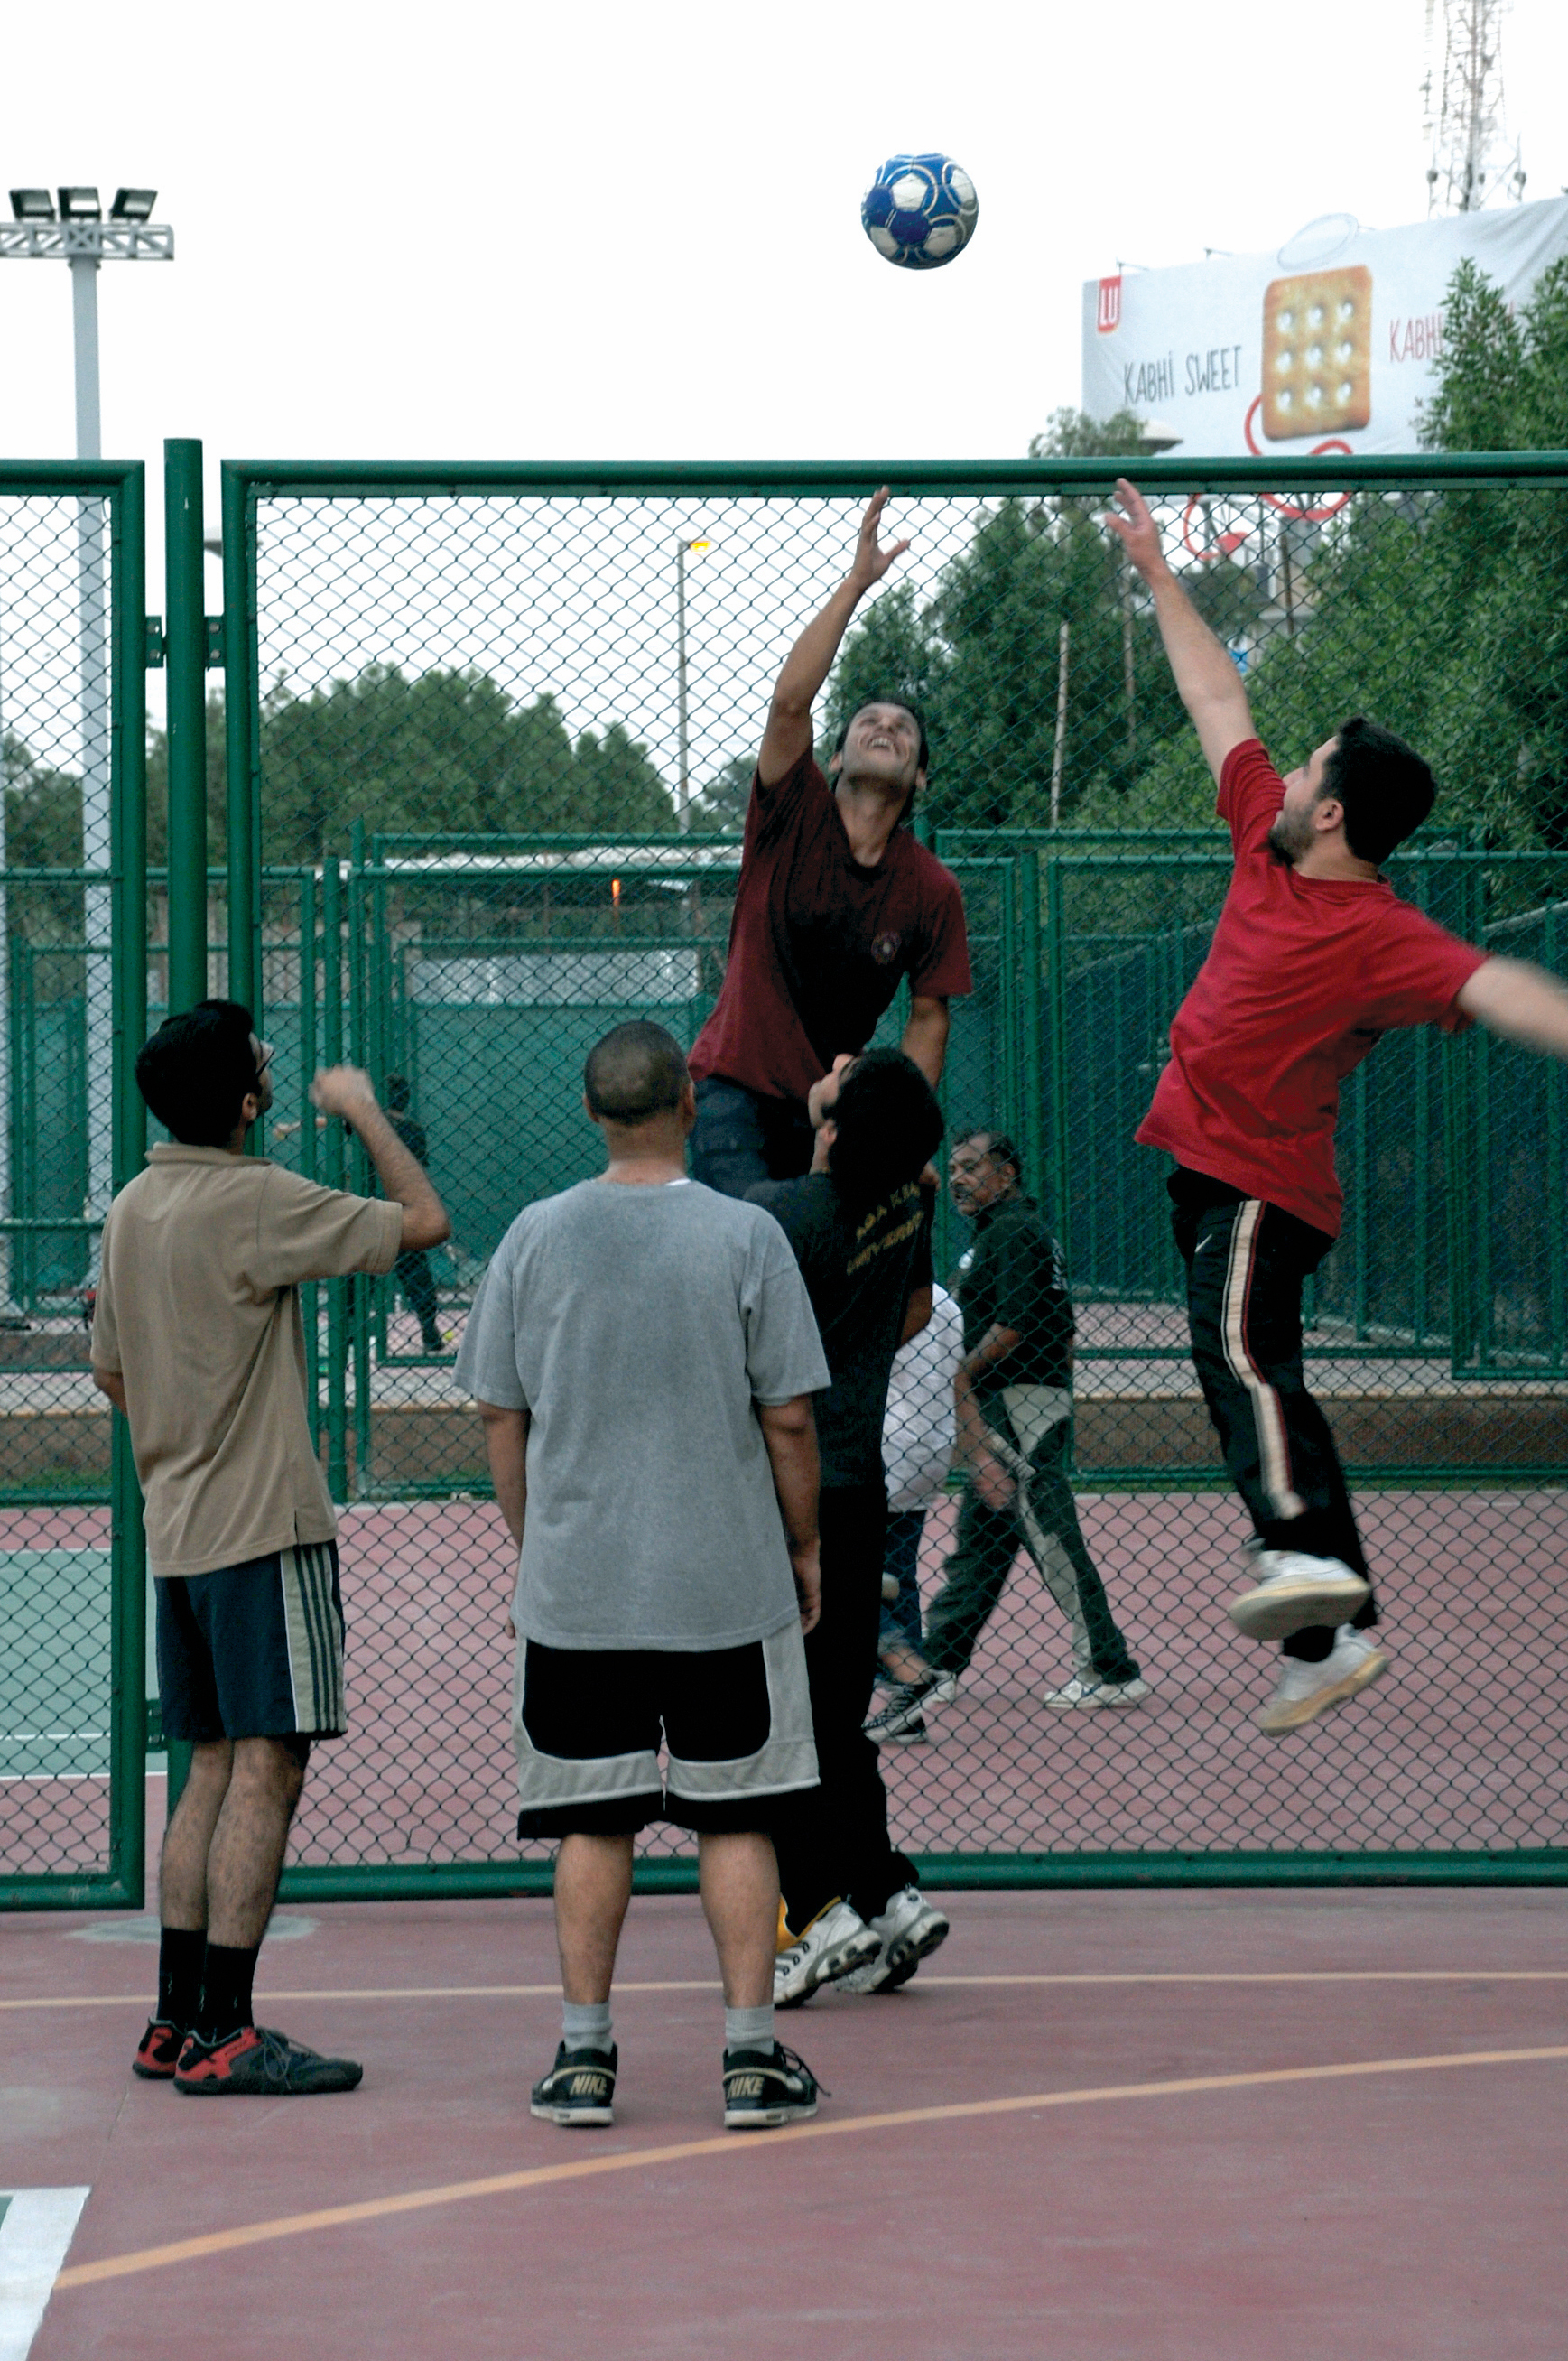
x=871, y=560
x=1136, y=531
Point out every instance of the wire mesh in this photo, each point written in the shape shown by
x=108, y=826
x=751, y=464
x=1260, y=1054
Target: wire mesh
x=56, y=1080
x=501, y=741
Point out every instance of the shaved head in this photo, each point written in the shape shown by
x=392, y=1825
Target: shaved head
x=636, y=1072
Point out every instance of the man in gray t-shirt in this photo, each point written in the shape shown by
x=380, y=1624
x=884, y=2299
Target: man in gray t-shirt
x=644, y=1352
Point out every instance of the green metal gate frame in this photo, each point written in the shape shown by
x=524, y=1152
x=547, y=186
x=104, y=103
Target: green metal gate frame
x=122, y=486
x=248, y=482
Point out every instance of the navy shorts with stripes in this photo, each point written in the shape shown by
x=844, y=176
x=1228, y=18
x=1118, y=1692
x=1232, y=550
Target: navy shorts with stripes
x=253, y=1651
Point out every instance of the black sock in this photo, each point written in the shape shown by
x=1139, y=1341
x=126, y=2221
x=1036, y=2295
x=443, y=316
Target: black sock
x=226, y=1990
x=181, y=1952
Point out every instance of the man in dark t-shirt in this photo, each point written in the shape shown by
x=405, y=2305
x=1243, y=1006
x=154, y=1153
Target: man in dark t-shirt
x=1313, y=959
x=1014, y=1400
x=860, y=1224
x=837, y=905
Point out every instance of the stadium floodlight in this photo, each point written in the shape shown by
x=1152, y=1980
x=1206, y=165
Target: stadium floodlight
x=684, y=548
x=82, y=237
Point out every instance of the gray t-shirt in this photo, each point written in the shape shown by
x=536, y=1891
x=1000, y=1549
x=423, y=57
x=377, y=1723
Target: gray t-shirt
x=640, y=1327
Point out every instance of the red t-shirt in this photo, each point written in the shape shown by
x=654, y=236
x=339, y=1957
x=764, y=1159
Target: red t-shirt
x=1303, y=975
x=818, y=941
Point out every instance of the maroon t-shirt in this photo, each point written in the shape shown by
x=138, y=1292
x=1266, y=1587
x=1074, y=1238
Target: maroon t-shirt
x=819, y=942
x=1303, y=975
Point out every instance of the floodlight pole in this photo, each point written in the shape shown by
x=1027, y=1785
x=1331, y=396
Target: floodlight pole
x=682, y=793
x=98, y=900
x=83, y=241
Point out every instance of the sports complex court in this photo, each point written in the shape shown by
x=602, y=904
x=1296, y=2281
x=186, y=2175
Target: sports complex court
x=1228, y=2025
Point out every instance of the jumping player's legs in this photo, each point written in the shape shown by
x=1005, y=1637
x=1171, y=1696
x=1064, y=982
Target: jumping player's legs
x=833, y=1841
x=742, y=1137
x=1246, y=1264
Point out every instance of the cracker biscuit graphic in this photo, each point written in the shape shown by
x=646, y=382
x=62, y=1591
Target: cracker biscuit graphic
x=1317, y=353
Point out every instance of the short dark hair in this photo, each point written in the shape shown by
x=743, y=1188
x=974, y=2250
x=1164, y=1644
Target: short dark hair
x=997, y=1145
x=636, y=1071
x=1385, y=786
x=397, y=1092
x=906, y=704
x=888, y=1126
x=196, y=1071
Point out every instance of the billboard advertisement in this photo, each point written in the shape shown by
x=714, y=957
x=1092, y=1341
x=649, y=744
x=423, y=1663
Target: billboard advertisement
x=1326, y=346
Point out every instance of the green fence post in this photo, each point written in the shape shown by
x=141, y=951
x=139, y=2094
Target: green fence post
x=127, y=1712
x=185, y=640
x=361, y=1053
x=332, y=1054
x=186, y=644
x=241, y=740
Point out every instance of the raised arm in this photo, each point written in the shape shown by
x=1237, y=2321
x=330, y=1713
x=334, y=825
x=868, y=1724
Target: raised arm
x=1207, y=681
x=347, y=1091
x=789, y=1431
x=1522, y=1002
x=810, y=662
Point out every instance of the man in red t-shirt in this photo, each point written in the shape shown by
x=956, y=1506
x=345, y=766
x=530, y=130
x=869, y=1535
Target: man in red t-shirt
x=837, y=903
x=1313, y=959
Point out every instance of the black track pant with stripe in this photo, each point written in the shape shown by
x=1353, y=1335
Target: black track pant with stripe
x=1245, y=1263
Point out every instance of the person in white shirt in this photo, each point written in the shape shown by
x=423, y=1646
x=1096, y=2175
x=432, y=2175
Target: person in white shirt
x=918, y=1439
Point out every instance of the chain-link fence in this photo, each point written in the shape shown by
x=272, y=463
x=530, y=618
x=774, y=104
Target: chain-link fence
x=72, y=1713
x=494, y=735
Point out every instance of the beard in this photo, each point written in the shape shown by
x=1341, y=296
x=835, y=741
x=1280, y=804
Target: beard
x=1289, y=837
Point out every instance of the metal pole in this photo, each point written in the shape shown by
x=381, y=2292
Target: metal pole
x=96, y=854
x=185, y=595
x=683, y=808
x=1060, y=754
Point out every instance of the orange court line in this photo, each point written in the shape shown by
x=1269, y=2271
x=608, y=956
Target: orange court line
x=1166, y=1976
x=293, y=2226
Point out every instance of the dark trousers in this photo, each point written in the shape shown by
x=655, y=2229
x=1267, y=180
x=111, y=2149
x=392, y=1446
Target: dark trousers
x=419, y=1288
x=1245, y=1263
x=900, y=1558
x=1042, y=1519
x=832, y=1840
x=741, y=1137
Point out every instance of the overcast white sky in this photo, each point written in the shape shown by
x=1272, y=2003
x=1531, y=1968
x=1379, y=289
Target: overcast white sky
x=622, y=230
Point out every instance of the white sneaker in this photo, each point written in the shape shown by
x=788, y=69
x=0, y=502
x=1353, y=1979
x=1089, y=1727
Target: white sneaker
x=1306, y=1690
x=910, y=1929
x=1090, y=1695
x=837, y=1940
x=1295, y=1590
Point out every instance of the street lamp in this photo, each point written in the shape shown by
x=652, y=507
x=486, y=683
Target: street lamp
x=78, y=233
x=683, y=549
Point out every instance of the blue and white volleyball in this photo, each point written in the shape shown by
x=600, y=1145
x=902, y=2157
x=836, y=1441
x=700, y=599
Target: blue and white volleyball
x=920, y=211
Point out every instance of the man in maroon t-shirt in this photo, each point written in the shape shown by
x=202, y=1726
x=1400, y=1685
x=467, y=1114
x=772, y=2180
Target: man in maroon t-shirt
x=1313, y=959
x=837, y=903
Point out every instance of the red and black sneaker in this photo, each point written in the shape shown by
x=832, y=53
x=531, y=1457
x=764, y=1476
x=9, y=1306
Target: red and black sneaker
x=158, y=2053
x=257, y=2063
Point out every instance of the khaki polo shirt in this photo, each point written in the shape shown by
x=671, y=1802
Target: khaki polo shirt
x=199, y=1313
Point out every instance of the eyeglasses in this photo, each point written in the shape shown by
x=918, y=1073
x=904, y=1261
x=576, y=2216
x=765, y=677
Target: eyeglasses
x=264, y=1056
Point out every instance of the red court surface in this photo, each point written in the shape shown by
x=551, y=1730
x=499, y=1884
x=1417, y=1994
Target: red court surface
x=1366, y=2159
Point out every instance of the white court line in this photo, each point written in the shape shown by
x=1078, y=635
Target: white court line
x=35, y=2233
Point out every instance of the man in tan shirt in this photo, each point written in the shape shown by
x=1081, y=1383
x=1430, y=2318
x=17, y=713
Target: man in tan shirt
x=197, y=1338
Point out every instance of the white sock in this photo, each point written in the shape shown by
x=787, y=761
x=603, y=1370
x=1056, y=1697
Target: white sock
x=749, y=2029
x=584, y=2025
